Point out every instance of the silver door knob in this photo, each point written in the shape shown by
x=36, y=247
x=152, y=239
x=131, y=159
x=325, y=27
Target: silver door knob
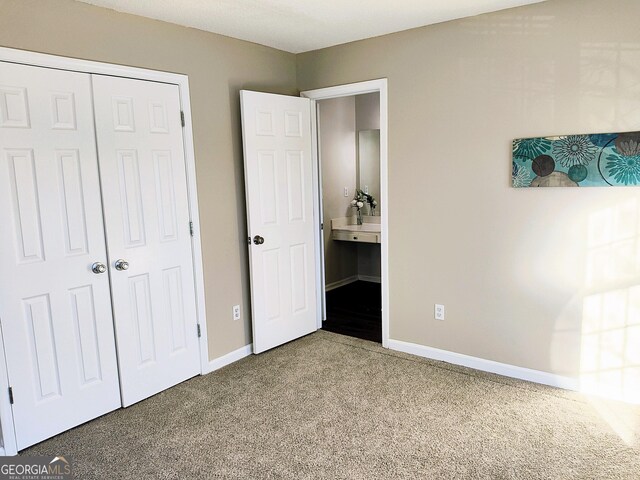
x=121, y=264
x=98, y=268
x=258, y=240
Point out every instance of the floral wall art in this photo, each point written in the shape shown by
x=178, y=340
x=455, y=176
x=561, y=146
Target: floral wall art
x=599, y=160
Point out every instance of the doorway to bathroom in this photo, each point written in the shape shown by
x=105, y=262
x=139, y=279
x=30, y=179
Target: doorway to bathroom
x=355, y=309
x=352, y=178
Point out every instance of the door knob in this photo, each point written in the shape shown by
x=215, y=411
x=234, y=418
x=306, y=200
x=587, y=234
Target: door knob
x=121, y=264
x=98, y=268
x=258, y=240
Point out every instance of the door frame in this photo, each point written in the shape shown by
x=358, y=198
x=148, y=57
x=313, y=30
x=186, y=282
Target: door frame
x=25, y=57
x=347, y=90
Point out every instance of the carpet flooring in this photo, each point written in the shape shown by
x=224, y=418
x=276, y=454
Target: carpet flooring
x=355, y=310
x=333, y=407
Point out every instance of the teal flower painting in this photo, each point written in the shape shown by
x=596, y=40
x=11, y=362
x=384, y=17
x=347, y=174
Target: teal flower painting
x=574, y=150
x=527, y=148
x=603, y=159
x=520, y=176
x=623, y=169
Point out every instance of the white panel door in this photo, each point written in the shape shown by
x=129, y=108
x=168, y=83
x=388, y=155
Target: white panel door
x=144, y=185
x=55, y=312
x=276, y=133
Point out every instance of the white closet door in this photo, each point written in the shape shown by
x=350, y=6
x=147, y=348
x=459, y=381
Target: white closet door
x=278, y=169
x=55, y=312
x=144, y=187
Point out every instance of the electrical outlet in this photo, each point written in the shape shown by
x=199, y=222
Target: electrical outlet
x=346, y=192
x=236, y=312
x=366, y=189
x=438, y=312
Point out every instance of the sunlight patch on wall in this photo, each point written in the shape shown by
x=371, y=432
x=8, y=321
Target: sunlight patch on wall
x=610, y=347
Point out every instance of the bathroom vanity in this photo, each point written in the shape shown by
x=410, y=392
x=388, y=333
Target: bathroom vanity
x=346, y=229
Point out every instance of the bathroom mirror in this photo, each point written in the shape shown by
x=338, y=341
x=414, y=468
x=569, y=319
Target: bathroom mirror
x=368, y=164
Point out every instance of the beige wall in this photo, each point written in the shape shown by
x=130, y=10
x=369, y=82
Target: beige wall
x=217, y=67
x=368, y=118
x=519, y=271
x=338, y=152
x=368, y=111
x=339, y=121
x=514, y=267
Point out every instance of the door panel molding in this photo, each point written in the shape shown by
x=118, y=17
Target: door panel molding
x=24, y=57
x=138, y=209
x=56, y=313
x=277, y=142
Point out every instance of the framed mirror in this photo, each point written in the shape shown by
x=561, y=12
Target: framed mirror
x=368, y=163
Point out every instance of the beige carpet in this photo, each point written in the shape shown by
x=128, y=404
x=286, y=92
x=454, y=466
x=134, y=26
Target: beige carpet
x=328, y=406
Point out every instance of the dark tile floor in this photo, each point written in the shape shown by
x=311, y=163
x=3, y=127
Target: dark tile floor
x=355, y=310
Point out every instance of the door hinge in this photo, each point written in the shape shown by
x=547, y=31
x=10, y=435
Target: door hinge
x=182, y=118
x=11, y=395
x=321, y=226
x=191, y=228
x=199, y=331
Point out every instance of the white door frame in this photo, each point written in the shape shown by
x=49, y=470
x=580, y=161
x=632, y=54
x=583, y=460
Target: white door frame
x=182, y=81
x=348, y=90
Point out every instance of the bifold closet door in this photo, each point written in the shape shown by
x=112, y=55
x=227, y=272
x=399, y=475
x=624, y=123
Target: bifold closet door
x=55, y=311
x=144, y=187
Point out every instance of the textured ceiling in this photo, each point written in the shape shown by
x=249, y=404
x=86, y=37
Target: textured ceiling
x=302, y=25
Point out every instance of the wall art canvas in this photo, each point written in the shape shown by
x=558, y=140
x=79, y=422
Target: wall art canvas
x=599, y=160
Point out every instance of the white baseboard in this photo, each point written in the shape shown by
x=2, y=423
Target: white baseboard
x=369, y=278
x=340, y=283
x=348, y=280
x=504, y=369
x=229, y=358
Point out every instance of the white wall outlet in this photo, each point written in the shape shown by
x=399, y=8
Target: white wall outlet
x=438, y=312
x=236, y=312
x=346, y=191
x=366, y=189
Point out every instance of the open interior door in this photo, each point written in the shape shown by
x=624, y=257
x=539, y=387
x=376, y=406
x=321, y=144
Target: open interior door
x=278, y=166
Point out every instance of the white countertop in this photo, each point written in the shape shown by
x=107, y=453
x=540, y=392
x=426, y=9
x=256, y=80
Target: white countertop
x=365, y=227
